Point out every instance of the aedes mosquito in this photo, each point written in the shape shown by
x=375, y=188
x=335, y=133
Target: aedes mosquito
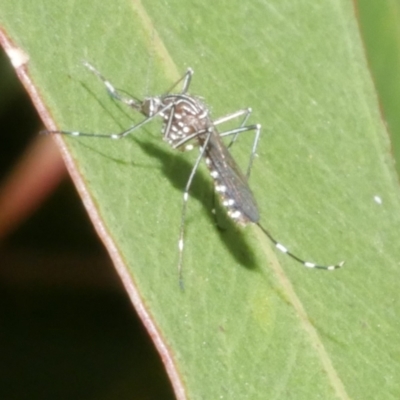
x=187, y=122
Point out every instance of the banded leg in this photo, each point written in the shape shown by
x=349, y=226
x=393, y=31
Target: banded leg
x=130, y=101
x=184, y=206
x=307, y=264
x=112, y=91
x=247, y=128
x=186, y=78
x=246, y=112
x=242, y=128
x=119, y=135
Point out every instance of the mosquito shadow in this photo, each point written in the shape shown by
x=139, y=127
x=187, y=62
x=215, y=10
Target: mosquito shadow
x=177, y=171
x=86, y=143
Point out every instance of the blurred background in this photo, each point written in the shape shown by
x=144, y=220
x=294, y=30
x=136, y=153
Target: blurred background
x=67, y=328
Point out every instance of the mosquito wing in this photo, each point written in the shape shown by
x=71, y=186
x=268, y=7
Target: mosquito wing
x=230, y=183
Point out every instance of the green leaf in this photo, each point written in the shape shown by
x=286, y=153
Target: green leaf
x=379, y=23
x=251, y=323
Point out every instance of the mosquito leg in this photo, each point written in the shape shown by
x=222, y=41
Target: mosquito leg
x=246, y=112
x=184, y=206
x=186, y=78
x=307, y=264
x=119, y=135
x=237, y=131
x=113, y=92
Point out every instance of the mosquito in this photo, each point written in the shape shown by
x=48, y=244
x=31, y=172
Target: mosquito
x=187, y=123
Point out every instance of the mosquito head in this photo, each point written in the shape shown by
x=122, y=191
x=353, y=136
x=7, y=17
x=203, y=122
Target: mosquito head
x=149, y=106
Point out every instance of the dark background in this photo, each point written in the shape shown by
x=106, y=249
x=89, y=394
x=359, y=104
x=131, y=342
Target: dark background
x=67, y=328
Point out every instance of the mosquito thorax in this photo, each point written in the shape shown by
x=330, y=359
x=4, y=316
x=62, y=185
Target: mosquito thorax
x=184, y=118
